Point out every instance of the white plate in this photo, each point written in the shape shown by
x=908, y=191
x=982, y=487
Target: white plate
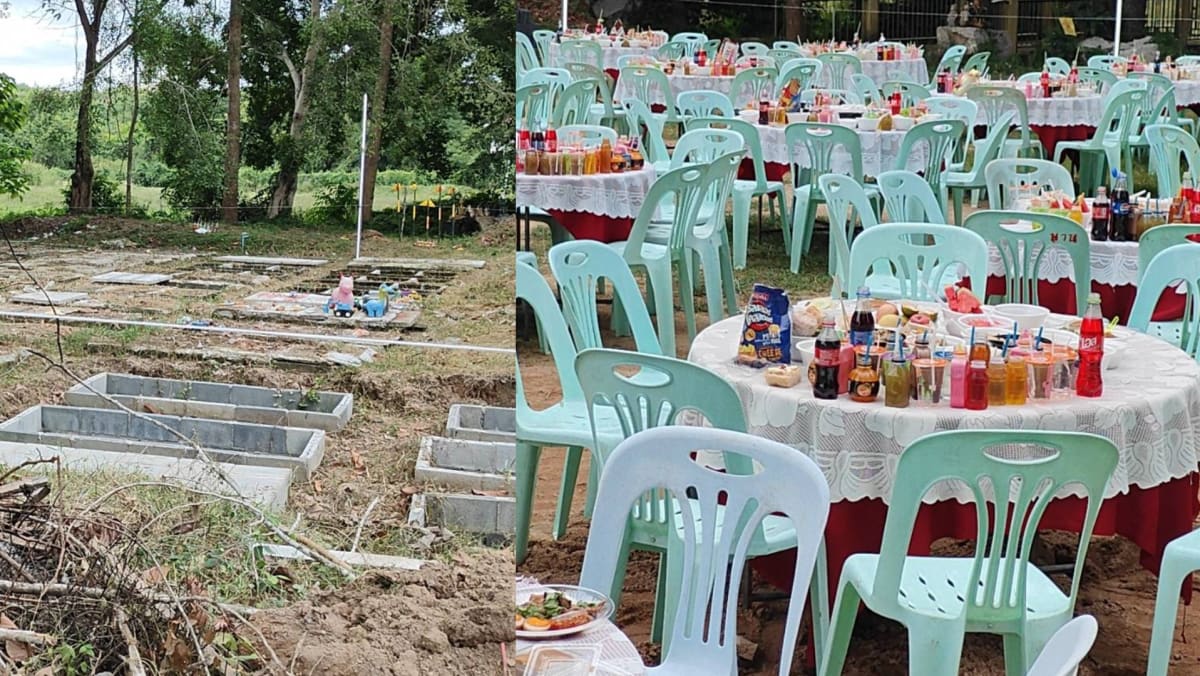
x=575, y=594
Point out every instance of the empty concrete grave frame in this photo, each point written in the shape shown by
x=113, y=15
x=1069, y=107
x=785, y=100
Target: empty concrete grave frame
x=466, y=464
x=482, y=423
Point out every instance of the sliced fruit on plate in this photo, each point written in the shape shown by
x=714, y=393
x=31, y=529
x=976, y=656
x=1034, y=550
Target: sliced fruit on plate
x=962, y=300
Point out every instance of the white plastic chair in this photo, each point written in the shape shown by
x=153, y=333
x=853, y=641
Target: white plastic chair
x=788, y=487
x=1066, y=648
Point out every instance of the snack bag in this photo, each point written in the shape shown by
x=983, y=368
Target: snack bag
x=767, y=330
x=789, y=98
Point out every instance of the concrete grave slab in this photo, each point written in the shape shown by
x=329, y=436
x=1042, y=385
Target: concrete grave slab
x=55, y=297
x=266, y=486
x=299, y=450
x=133, y=278
x=309, y=308
x=267, y=261
x=466, y=464
x=328, y=411
x=481, y=514
x=482, y=423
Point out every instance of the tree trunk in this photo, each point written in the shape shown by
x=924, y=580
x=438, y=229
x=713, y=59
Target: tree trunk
x=233, y=129
x=793, y=20
x=129, y=141
x=81, y=178
x=378, y=105
x=284, y=194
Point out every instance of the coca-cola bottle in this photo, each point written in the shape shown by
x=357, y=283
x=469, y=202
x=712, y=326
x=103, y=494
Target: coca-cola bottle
x=827, y=357
x=551, y=140
x=1100, y=215
x=1089, y=382
x=1118, y=222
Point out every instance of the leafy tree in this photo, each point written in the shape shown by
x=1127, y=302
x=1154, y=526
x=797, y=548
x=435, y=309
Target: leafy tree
x=13, y=179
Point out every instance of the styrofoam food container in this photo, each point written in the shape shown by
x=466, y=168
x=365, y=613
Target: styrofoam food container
x=1027, y=317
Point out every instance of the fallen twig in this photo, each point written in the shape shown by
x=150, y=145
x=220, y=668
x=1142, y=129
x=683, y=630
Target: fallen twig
x=30, y=637
x=134, y=660
x=362, y=522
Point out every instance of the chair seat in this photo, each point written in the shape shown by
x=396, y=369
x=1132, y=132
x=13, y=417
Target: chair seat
x=752, y=187
x=650, y=250
x=887, y=287
x=933, y=587
x=666, y=215
x=567, y=424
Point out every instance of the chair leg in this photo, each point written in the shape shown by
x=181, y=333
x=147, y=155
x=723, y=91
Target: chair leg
x=687, y=294
x=935, y=648
x=800, y=225
x=660, y=601
x=783, y=214
x=710, y=264
x=845, y=612
x=593, y=481
x=664, y=304
x=1170, y=579
x=566, y=491
x=741, y=228
x=527, y=463
x=727, y=283
x=819, y=600
x=810, y=220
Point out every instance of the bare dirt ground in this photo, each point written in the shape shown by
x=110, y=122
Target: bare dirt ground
x=453, y=612
x=1115, y=588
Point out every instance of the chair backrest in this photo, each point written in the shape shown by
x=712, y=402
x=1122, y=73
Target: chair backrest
x=557, y=78
x=527, y=57
x=978, y=63
x=702, y=146
x=648, y=85
x=692, y=42
x=1106, y=61
x=866, y=88
x=918, y=255
x=836, y=69
x=1161, y=237
x=1066, y=648
x=847, y=203
x=1031, y=76
x=704, y=103
x=684, y=188
x=581, y=51
x=951, y=59
x=909, y=199
x=637, y=115
x=1187, y=60
x=1160, y=107
x=751, y=85
x=1122, y=113
x=784, y=55
x=542, y=39
x=996, y=100
x=819, y=142
x=711, y=47
x=786, y=44
x=1023, y=239
x=587, y=134
x=1168, y=145
x=1012, y=476
x=987, y=149
x=752, y=48
x=1177, y=264
x=1125, y=85
x=723, y=173
x=804, y=71
x=534, y=104
x=750, y=137
x=660, y=462
x=1057, y=65
x=911, y=93
x=672, y=51
x=533, y=289
x=578, y=267
x=941, y=139
x=1005, y=174
x=575, y=103
x=1100, y=78
x=954, y=108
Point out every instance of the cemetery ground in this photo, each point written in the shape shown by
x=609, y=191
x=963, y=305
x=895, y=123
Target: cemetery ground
x=110, y=571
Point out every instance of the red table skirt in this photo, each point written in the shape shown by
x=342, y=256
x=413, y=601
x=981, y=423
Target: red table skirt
x=584, y=225
x=1150, y=517
x=1050, y=136
x=1115, y=301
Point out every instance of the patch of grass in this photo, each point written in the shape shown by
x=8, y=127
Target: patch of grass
x=75, y=341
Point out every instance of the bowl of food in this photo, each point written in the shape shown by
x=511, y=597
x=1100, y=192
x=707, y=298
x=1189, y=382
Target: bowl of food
x=749, y=115
x=868, y=123
x=901, y=123
x=1027, y=317
x=555, y=610
x=984, y=325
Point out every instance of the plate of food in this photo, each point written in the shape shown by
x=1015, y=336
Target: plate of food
x=556, y=610
x=906, y=316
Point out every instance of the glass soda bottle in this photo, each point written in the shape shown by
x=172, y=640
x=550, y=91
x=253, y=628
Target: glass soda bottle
x=1119, y=217
x=1089, y=381
x=977, y=386
x=864, y=380
x=862, y=322
x=958, y=378
x=1100, y=215
x=827, y=357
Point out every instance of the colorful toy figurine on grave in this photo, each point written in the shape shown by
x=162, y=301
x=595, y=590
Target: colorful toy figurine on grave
x=341, y=301
x=377, y=306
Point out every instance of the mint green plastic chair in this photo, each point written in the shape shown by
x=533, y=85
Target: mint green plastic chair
x=866, y=88
x=580, y=267
x=745, y=190
x=530, y=258
x=648, y=85
x=907, y=198
x=581, y=51
x=978, y=62
x=911, y=93
x=566, y=423
x=998, y=591
x=836, y=69
x=1106, y=61
x=751, y=85
x=711, y=46
x=692, y=41
x=534, y=105
x=847, y=205
x=804, y=71
x=950, y=61
x=1178, y=264
x=1180, y=559
x=1058, y=66
x=994, y=101
x=671, y=51
x=941, y=139
x=956, y=108
x=1169, y=146
x=1109, y=145
x=575, y=103
x=527, y=57
x=707, y=556
x=918, y=259
x=819, y=142
x=1005, y=175
x=987, y=151
x=1161, y=237
x=787, y=45
x=704, y=103
x=655, y=396
x=1128, y=85
x=602, y=111
x=752, y=48
x=683, y=189
x=558, y=79
x=1022, y=248
x=542, y=39
x=587, y=134
x=1099, y=78
x=637, y=115
x=780, y=56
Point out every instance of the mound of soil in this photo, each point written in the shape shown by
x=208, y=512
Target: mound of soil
x=446, y=618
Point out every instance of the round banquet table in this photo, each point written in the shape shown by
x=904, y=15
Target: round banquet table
x=881, y=150
x=611, y=51
x=1150, y=409
x=618, y=655
x=681, y=83
x=600, y=206
x=1187, y=93
x=1060, y=118
x=908, y=70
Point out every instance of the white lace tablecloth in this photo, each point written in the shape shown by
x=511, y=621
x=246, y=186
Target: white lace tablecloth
x=682, y=83
x=610, y=54
x=880, y=150
x=617, y=652
x=612, y=195
x=1150, y=409
x=1066, y=111
x=909, y=70
x=1187, y=92
x=1113, y=263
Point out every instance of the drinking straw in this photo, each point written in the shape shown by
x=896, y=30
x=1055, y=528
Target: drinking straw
x=972, y=343
x=1004, y=351
x=1113, y=324
x=1037, y=343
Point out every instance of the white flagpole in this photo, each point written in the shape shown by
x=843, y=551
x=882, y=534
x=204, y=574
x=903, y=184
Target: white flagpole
x=1117, y=33
x=564, y=16
x=362, y=165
